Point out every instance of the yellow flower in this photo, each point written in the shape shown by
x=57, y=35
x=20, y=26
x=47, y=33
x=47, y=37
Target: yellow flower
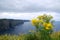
x=35, y=21
x=44, y=24
x=47, y=25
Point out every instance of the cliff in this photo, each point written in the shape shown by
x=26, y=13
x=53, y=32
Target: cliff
x=9, y=23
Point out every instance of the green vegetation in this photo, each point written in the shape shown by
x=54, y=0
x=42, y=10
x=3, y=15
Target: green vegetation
x=44, y=30
x=31, y=36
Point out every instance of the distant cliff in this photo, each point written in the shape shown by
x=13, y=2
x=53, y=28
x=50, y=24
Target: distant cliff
x=9, y=23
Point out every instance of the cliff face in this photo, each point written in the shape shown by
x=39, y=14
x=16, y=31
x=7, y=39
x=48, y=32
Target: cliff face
x=9, y=23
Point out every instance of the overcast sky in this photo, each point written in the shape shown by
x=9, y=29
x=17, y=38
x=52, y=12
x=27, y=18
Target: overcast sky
x=27, y=9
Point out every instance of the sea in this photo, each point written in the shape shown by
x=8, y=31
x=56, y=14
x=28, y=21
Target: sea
x=26, y=27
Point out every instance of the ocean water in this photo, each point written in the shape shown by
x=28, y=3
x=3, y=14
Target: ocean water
x=27, y=26
x=57, y=26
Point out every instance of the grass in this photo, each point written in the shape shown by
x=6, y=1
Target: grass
x=30, y=36
x=56, y=36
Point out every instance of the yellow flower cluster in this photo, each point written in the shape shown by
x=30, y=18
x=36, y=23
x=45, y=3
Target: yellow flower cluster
x=43, y=20
x=47, y=25
x=35, y=21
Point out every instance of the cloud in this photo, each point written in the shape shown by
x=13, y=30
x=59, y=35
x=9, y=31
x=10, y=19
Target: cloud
x=28, y=16
x=29, y=5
